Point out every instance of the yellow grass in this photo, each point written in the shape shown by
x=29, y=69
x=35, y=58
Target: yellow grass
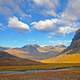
x=64, y=58
x=39, y=67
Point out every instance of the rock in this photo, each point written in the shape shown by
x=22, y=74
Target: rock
x=76, y=40
x=75, y=44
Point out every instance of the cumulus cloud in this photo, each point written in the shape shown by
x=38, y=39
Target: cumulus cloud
x=64, y=24
x=72, y=11
x=48, y=2
x=11, y=7
x=67, y=23
x=67, y=30
x=56, y=26
x=14, y=22
x=49, y=6
x=70, y=18
x=44, y=25
x=40, y=2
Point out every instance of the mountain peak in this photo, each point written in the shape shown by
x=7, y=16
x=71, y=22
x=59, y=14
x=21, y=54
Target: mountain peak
x=77, y=35
x=34, y=45
x=76, y=40
x=75, y=44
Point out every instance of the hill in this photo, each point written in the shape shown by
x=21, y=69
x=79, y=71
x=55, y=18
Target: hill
x=11, y=60
x=64, y=58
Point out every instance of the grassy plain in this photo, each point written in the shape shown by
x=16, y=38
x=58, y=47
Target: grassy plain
x=40, y=67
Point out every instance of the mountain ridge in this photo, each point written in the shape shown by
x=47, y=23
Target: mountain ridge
x=75, y=44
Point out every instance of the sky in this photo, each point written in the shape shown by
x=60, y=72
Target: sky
x=43, y=22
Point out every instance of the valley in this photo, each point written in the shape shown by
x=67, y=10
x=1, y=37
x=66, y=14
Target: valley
x=33, y=62
x=39, y=39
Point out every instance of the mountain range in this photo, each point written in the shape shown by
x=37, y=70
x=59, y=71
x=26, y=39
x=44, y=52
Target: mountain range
x=34, y=54
x=27, y=55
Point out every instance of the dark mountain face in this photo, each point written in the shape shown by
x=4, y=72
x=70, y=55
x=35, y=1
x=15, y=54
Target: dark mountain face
x=76, y=40
x=75, y=44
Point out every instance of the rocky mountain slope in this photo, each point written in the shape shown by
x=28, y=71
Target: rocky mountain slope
x=75, y=44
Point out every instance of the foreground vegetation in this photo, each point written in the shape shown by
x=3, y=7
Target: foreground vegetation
x=50, y=75
x=39, y=67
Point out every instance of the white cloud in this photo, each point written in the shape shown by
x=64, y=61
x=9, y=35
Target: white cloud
x=68, y=22
x=56, y=26
x=50, y=3
x=62, y=42
x=46, y=25
x=50, y=13
x=40, y=2
x=66, y=30
x=14, y=22
x=70, y=18
x=65, y=24
x=49, y=6
x=14, y=6
x=72, y=11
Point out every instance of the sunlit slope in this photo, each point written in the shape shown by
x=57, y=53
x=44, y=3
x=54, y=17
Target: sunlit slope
x=7, y=59
x=64, y=58
x=14, y=52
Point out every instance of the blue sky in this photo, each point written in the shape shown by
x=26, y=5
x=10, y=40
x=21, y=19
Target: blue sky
x=44, y=22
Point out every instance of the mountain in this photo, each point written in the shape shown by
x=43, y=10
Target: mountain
x=36, y=52
x=75, y=44
x=70, y=54
x=30, y=48
x=11, y=60
x=36, y=48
